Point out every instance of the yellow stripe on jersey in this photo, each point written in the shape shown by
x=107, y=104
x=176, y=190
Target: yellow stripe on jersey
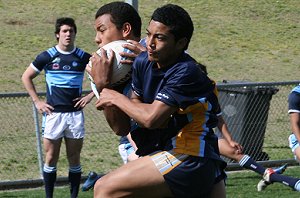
x=188, y=140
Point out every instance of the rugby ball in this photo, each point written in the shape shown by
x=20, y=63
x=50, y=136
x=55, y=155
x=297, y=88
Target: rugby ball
x=121, y=72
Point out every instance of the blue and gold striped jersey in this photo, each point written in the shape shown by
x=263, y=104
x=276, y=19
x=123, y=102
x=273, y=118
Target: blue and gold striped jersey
x=185, y=86
x=64, y=72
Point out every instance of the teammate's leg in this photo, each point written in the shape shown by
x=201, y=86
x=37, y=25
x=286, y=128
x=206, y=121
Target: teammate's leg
x=73, y=148
x=244, y=160
x=52, y=149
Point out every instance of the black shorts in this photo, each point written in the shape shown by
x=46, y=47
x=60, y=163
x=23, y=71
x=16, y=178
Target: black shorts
x=188, y=176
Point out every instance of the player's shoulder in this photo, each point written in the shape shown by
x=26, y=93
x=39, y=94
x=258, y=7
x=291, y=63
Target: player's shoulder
x=47, y=55
x=141, y=60
x=296, y=89
x=81, y=53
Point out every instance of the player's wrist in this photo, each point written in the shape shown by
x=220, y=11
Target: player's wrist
x=35, y=100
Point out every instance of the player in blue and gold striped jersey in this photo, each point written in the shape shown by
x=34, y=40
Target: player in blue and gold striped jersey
x=175, y=108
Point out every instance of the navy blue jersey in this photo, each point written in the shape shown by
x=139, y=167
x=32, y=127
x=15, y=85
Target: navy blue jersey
x=294, y=100
x=186, y=87
x=64, y=72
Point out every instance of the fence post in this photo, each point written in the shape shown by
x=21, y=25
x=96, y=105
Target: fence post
x=38, y=139
x=134, y=3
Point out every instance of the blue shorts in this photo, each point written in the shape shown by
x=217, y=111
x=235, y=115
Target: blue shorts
x=188, y=176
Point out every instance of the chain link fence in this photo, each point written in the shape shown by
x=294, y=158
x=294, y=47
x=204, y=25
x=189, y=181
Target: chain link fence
x=256, y=114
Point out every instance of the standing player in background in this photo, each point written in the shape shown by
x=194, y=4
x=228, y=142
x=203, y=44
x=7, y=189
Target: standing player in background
x=171, y=99
x=269, y=175
x=64, y=66
x=114, y=21
x=294, y=113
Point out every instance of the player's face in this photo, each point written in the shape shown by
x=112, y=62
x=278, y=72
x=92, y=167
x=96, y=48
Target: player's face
x=106, y=31
x=66, y=36
x=161, y=45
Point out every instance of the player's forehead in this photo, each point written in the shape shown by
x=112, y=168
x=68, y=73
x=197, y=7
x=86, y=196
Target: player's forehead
x=66, y=27
x=104, y=21
x=156, y=27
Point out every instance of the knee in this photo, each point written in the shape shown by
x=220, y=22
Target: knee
x=102, y=189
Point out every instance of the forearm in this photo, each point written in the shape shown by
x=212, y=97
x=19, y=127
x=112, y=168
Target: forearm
x=118, y=121
x=152, y=115
x=30, y=88
x=295, y=124
x=222, y=126
x=144, y=114
x=131, y=141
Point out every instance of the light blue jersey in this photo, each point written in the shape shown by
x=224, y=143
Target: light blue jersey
x=64, y=72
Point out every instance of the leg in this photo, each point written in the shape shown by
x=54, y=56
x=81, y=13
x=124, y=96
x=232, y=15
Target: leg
x=245, y=161
x=218, y=190
x=52, y=149
x=270, y=176
x=73, y=148
x=139, y=178
x=297, y=154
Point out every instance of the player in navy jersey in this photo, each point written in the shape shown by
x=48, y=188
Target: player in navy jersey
x=114, y=21
x=64, y=66
x=172, y=100
x=293, y=110
x=294, y=113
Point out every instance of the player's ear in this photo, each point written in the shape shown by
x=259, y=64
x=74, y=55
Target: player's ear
x=126, y=29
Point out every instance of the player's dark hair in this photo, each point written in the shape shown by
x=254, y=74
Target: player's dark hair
x=65, y=21
x=177, y=19
x=121, y=13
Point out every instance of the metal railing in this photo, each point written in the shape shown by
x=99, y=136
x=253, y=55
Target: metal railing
x=256, y=114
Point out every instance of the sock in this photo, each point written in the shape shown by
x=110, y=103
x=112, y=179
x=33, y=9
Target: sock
x=74, y=179
x=49, y=174
x=286, y=180
x=297, y=186
x=248, y=163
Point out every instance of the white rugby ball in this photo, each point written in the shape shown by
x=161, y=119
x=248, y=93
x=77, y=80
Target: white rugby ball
x=121, y=72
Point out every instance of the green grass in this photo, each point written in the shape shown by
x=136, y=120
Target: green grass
x=241, y=184
x=237, y=40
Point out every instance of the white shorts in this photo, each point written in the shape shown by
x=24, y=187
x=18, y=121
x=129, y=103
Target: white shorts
x=69, y=124
x=125, y=150
x=293, y=144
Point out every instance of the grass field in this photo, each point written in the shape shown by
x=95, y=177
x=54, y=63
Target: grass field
x=240, y=184
x=238, y=40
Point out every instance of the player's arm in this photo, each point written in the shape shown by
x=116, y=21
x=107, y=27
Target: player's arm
x=81, y=102
x=118, y=121
x=222, y=126
x=27, y=79
x=295, y=124
x=152, y=115
x=131, y=141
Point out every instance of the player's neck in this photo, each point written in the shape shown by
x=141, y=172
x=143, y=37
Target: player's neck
x=66, y=48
